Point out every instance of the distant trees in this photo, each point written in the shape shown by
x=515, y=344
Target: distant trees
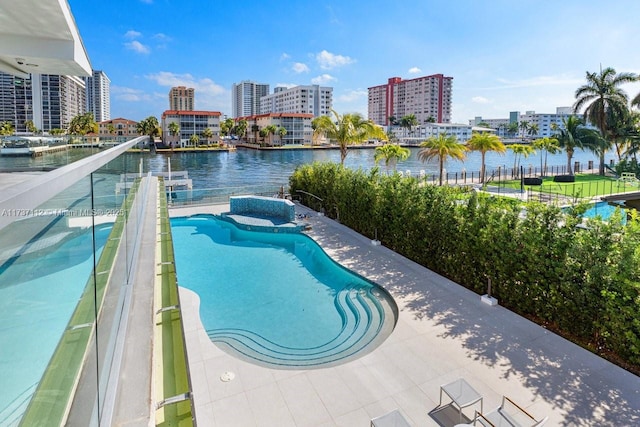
x=6, y=128
x=30, y=126
x=546, y=145
x=207, y=133
x=83, y=124
x=408, y=122
x=174, y=130
x=520, y=151
x=149, y=127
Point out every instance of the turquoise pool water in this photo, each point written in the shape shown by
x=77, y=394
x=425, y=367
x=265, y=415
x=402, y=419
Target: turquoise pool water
x=277, y=299
x=40, y=285
x=602, y=210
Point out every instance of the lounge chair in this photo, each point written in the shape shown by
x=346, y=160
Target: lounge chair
x=507, y=414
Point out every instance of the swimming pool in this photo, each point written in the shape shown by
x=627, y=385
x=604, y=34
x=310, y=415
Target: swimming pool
x=602, y=210
x=276, y=299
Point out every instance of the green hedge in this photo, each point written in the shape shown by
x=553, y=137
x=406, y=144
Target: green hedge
x=582, y=281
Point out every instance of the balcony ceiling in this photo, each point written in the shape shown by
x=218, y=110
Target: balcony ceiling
x=40, y=36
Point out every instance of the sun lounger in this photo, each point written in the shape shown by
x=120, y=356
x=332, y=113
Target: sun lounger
x=507, y=414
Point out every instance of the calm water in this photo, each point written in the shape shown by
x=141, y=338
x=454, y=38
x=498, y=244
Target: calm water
x=246, y=167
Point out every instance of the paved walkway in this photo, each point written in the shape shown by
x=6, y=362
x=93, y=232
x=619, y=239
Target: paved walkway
x=443, y=333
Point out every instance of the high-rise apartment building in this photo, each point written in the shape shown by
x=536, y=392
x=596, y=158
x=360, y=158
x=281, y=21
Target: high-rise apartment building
x=49, y=100
x=57, y=100
x=245, y=98
x=428, y=98
x=98, y=96
x=312, y=99
x=181, y=98
x=15, y=101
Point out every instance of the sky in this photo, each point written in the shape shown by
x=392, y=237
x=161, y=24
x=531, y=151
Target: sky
x=503, y=55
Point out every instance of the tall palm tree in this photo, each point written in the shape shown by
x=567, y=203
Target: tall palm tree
x=29, y=126
x=241, y=128
x=547, y=145
x=623, y=130
x=391, y=154
x=194, y=140
x=484, y=142
x=174, y=130
x=524, y=127
x=408, y=122
x=519, y=151
x=574, y=135
x=533, y=129
x=442, y=147
x=349, y=128
x=512, y=129
x=269, y=130
x=281, y=133
x=600, y=95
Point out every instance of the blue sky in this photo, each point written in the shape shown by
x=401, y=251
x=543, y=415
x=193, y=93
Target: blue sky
x=514, y=55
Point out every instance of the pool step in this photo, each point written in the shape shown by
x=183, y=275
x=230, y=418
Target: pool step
x=363, y=319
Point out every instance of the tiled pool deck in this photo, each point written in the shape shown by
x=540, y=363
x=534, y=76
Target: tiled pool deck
x=443, y=333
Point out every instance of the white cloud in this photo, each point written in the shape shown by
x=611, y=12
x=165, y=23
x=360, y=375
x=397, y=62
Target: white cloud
x=162, y=37
x=480, y=100
x=208, y=94
x=128, y=94
x=132, y=34
x=287, y=85
x=137, y=47
x=299, y=67
x=323, y=79
x=414, y=70
x=353, y=95
x=284, y=56
x=328, y=60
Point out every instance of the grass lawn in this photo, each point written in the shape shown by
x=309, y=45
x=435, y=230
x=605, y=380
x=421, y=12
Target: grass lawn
x=586, y=185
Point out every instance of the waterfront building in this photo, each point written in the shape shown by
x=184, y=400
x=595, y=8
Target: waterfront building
x=98, y=95
x=297, y=125
x=15, y=101
x=56, y=100
x=118, y=129
x=547, y=124
x=181, y=98
x=310, y=99
x=423, y=132
x=190, y=123
x=427, y=97
x=245, y=98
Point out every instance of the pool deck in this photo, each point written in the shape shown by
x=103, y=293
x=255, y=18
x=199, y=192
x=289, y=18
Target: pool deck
x=443, y=333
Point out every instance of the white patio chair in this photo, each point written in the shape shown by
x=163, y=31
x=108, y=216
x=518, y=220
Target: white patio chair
x=508, y=414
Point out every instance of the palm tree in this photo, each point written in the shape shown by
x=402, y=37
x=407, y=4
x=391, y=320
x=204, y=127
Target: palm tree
x=281, y=133
x=226, y=127
x=111, y=129
x=441, y=147
x=269, y=131
x=524, y=126
x=622, y=130
x=512, y=128
x=83, y=124
x=484, y=142
x=149, y=127
x=519, y=151
x=207, y=133
x=547, y=145
x=408, y=122
x=174, y=130
x=602, y=95
x=533, y=129
x=391, y=154
x=29, y=126
x=241, y=128
x=6, y=128
x=350, y=128
x=194, y=140
x=574, y=135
